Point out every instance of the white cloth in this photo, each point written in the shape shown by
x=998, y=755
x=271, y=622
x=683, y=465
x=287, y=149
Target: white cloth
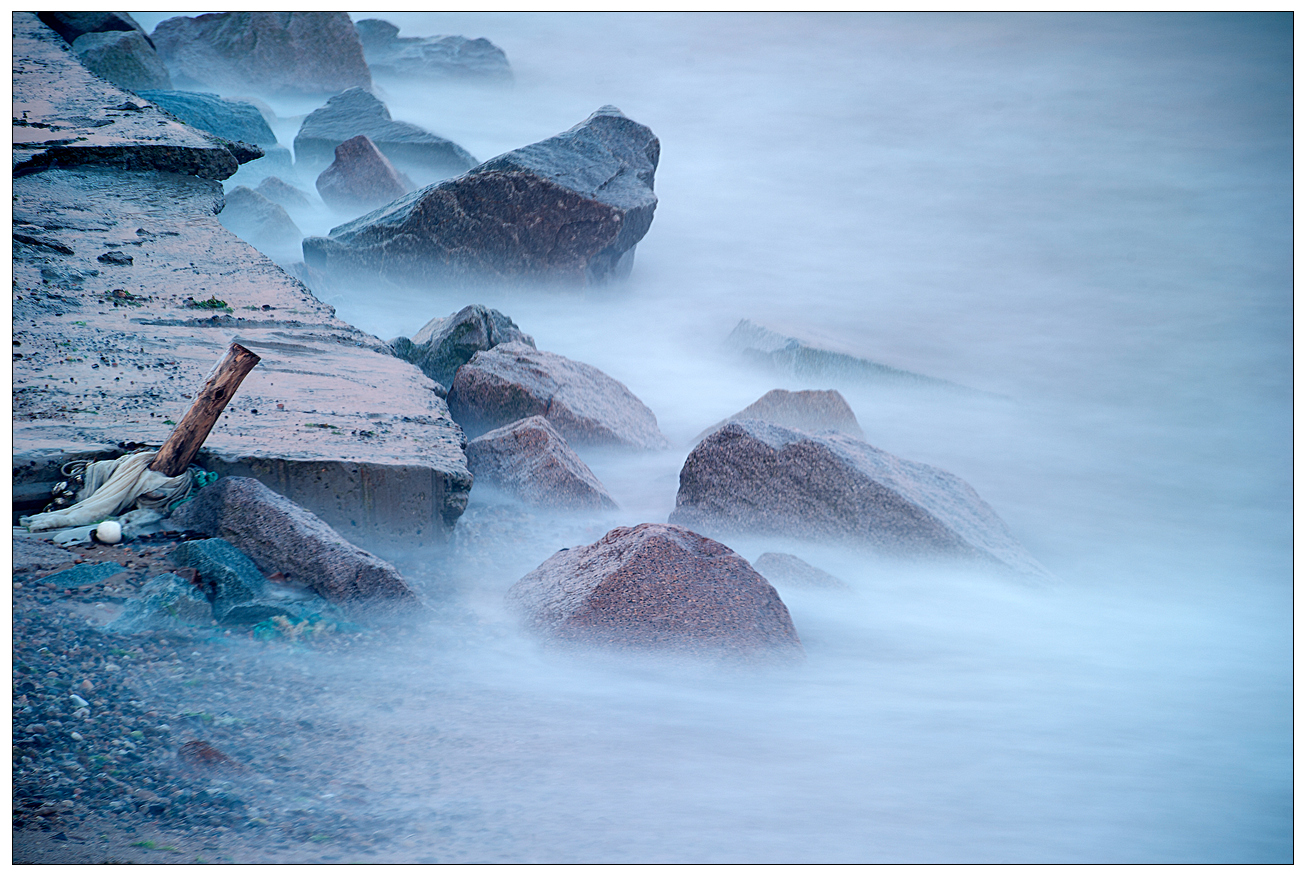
x=129, y=479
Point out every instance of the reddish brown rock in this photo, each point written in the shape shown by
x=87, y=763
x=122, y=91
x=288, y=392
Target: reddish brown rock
x=513, y=381
x=530, y=460
x=811, y=410
x=360, y=178
x=655, y=587
x=293, y=53
x=280, y=536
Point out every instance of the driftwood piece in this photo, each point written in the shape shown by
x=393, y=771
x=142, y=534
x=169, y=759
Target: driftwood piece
x=184, y=443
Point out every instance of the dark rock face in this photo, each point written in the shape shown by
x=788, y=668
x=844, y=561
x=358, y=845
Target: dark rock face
x=83, y=575
x=233, y=120
x=532, y=461
x=124, y=57
x=238, y=588
x=569, y=209
x=281, y=536
x=292, y=53
x=788, y=570
x=810, y=410
x=166, y=602
x=71, y=25
x=445, y=344
x=360, y=178
x=32, y=554
x=801, y=358
x=357, y=111
x=655, y=587
x=513, y=381
x=436, y=57
x=252, y=217
x=281, y=192
x=752, y=476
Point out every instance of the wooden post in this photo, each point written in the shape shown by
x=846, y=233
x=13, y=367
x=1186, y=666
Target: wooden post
x=177, y=453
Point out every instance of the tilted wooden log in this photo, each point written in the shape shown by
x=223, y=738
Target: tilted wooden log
x=184, y=443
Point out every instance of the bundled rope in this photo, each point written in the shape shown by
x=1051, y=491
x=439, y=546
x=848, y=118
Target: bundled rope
x=114, y=485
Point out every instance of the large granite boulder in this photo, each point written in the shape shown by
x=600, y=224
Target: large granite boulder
x=530, y=460
x=256, y=219
x=568, y=209
x=275, y=53
x=228, y=119
x=810, y=410
x=280, y=536
x=755, y=477
x=124, y=57
x=290, y=197
x=237, y=590
x=446, y=343
x=357, y=111
x=434, y=57
x=512, y=381
x=655, y=587
x=360, y=178
x=71, y=25
x=787, y=570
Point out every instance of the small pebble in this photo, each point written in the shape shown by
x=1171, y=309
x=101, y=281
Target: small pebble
x=78, y=701
x=77, y=737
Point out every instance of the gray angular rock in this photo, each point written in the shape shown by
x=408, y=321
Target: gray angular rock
x=360, y=178
x=655, y=587
x=787, y=570
x=275, y=53
x=281, y=192
x=252, y=217
x=810, y=410
x=283, y=537
x=434, y=57
x=568, y=210
x=806, y=359
x=239, y=588
x=124, y=57
x=225, y=118
x=446, y=343
x=82, y=576
x=357, y=111
x=71, y=25
x=165, y=602
x=33, y=555
x=530, y=460
x=754, y=477
x=512, y=381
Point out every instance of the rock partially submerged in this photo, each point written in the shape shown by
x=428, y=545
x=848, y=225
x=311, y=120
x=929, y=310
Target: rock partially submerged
x=65, y=116
x=275, y=53
x=360, y=178
x=446, y=343
x=787, y=570
x=655, y=587
x=165, y=602
x=810, y=410
x=280, y=536
x=513, y=381
x=124, y=57
x=357, y=111
x=262, y=222
x=238, y=592
x=754, y=477
x=530, y=460
x=71, y=25
x=279, y=191
x=808, y=360
x=569, y=209
x=434, y=57
x=229, y=119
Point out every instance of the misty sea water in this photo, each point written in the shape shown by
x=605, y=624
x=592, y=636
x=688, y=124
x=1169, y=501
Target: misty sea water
x=1084, y=218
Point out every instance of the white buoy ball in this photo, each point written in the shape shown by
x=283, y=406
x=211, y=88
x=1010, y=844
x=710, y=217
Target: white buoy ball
x=109, y=532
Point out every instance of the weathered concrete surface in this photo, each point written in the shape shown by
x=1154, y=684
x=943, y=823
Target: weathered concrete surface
x=66, y=116
x=110, y=352
x=293, y=53
x=655, y=587
x=567, y=210
x=755, y=477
